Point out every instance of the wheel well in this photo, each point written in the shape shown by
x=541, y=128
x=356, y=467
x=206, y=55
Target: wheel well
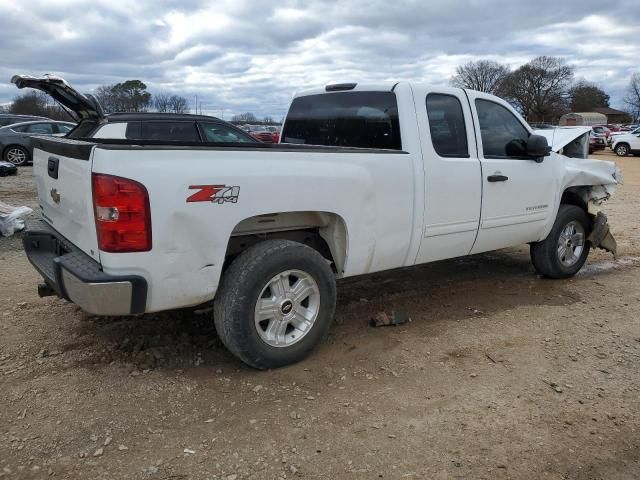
x=575, y=196
x=323, y=231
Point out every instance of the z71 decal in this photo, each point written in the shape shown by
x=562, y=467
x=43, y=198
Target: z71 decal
x=214, y=193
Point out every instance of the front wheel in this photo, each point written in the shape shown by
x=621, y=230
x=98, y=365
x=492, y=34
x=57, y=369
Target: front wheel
x=275, y=303
x=565, y=250
x=622, y=150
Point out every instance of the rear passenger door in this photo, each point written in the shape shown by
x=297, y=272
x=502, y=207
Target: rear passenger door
x=452, y=177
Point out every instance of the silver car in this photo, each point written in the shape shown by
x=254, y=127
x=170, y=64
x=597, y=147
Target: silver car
x=15, y=139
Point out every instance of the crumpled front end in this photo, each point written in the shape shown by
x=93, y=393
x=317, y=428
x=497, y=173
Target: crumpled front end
x=593, y=182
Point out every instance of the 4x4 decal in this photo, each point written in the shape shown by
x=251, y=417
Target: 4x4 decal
x=214, y=193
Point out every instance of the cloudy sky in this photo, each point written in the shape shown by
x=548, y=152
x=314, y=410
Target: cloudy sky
x=240, y=55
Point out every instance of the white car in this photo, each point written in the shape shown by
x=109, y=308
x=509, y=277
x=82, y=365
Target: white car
x=371, y=178
x=626, y=144
x=617, y=134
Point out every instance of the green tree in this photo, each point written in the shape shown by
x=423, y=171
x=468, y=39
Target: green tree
x=128, y=96
x=585, y=96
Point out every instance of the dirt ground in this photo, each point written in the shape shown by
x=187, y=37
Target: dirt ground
x=501, y=374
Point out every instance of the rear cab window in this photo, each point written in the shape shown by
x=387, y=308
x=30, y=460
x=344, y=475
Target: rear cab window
x=344, y=119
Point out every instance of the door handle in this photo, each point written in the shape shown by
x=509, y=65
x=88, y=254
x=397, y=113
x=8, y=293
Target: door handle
x=496, y=177
x=53, y=164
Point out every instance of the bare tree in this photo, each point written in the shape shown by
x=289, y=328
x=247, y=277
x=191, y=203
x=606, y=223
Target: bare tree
x=178, y=104
x=483, y=75
x=540, y=88
x=632, y=96
x=161, y=102
x=39, y=104
x=246, y=117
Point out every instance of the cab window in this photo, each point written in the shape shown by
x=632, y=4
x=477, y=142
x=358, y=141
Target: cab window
x=446, y=124
x=503, y=135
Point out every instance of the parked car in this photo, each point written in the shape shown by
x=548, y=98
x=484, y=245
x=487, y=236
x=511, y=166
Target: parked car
x=161, y=127
x=7, y=168
x=626, y=144
x=260, y=133
x=275, y=132
x=614, y=135
x=9, y=118
x=158, y=127
x=263, y=231
x=15, y=139
x=597, y=142
x=542, y=126
x=602, y=130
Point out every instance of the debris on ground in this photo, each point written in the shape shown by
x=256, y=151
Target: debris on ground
x=11, y=218
x=382, y=319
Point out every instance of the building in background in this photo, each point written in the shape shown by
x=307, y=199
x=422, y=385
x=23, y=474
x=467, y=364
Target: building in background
x=613, y=115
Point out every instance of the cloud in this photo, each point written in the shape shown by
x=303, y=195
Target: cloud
x=240, y=55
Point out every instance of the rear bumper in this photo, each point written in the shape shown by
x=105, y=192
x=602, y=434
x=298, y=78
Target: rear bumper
x=76, y=277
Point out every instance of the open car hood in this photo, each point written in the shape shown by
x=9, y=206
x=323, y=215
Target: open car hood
x=569, y=141
x=84, y=106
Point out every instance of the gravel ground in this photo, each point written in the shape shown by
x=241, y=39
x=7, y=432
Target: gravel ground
x=501, y=374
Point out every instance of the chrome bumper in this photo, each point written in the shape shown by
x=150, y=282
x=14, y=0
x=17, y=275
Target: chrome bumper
x=74, y=276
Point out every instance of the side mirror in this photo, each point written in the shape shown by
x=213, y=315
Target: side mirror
x=538, y=148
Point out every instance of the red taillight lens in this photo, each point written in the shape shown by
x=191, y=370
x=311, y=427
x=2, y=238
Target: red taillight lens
x=123, y=216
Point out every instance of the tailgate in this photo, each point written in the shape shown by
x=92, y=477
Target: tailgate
x=62, y=173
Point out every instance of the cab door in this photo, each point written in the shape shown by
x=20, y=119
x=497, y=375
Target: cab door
x=518, y=192
x=452, y=177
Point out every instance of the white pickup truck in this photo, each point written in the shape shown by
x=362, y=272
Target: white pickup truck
x=369, y=178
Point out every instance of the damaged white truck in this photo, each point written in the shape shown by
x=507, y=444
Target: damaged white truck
x=369, y=178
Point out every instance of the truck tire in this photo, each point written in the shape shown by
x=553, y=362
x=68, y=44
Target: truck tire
x=565, y=250
x=275, y=303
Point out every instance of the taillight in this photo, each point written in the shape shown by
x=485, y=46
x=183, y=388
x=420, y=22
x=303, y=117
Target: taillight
x=123, y=216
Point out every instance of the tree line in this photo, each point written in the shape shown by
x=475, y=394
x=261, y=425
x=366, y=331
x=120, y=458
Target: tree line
x=127, y=96
x=543, y=89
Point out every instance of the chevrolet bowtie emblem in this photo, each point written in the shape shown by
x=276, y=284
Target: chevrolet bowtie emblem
x=55, y=196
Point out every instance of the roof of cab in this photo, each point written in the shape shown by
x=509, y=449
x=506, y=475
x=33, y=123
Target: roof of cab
x=146, y=116
x=349, y=87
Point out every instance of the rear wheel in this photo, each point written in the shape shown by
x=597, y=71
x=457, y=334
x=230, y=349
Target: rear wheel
x=565, y=250
x=275, y=303
x=622, y=149
x=17, y=155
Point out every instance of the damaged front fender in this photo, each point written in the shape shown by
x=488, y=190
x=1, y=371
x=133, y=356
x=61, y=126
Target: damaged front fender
x=591, y=181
